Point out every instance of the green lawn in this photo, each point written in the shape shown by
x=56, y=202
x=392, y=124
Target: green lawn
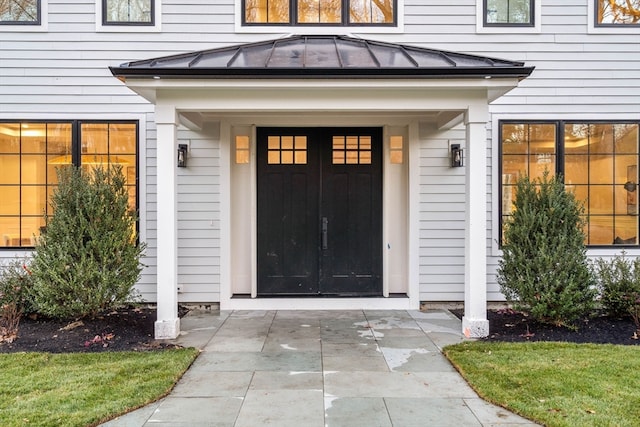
x=42, y=389
x=556, y=384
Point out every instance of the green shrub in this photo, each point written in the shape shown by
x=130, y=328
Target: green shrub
x=15, y=281
x=619, y=286
x=544, y=269
x=88, y=258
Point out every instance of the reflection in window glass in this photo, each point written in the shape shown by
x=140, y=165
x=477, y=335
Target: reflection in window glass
x=509, y=12
x=138, y=12
x=31, y=153
x=266, y=11
x=601, y=161
x=371, y=11
x=20, y=12
x=337, y=12
x=319, y=11
x=618, y=12
x=599, y=165
x=527, y=150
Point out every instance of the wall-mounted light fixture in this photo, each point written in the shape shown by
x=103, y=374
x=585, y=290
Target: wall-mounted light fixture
x=457, y=156
x=182, y=155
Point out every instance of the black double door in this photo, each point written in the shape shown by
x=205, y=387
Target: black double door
x=319, y=211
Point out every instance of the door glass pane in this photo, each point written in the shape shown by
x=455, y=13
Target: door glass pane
x=273, y=157
x=287, y=150
x=287, y=157
x=352, y=149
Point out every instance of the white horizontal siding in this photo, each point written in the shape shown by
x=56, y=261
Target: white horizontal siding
x=63, y=73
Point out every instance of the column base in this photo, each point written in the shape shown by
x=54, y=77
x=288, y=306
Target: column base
x=475, y=328
x=167, y=329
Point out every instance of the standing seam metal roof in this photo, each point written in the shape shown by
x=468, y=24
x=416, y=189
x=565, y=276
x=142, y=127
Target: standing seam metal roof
x=321, y=57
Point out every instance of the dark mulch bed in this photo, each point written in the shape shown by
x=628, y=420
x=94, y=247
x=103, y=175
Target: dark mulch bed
x=512, y=326
x=125, y=329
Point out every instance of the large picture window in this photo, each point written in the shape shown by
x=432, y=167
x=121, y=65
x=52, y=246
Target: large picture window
x=509, y=12
x=20, y=12
x=30, y=153
x=319, y=12
x=128, y=12
x=598, y=162
x=617, y=12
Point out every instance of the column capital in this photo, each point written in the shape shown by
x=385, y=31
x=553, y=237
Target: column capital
x=166, y=115
x=477, y=113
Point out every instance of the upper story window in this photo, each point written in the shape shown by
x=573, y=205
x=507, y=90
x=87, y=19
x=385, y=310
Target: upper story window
x=617, y=12
x=20, y=12
x=509, y=12
x=128, y=12
x=320, y=12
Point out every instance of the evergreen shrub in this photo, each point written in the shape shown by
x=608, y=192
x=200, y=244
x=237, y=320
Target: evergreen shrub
x=15, y=282
x=88, y=258
x=619, y=286
x=544, y=269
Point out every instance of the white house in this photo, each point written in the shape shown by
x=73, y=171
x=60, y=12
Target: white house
x=304, y=154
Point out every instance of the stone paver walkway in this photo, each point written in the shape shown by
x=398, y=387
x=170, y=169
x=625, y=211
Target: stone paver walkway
x=320, y=369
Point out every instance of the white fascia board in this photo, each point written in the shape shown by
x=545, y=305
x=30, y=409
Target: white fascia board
x=337, y=96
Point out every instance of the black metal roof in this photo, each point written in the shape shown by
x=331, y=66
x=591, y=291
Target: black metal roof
x=319, y=56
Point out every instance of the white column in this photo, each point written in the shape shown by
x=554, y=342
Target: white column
x=167, y=325
x=474, y=322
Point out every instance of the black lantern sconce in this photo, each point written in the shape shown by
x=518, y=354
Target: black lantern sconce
x=457, y=155
x=182, y=155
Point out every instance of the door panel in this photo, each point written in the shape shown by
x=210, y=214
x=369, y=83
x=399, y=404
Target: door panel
x=287, y=224
x=352, y=202
x=319, y=212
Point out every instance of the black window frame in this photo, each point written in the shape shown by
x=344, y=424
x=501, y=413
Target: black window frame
x=559, y=166
x=597, y=24
x=37, y=22
x=293, y=17
x=532, y=14
x=151, y=23
x=76, y=155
